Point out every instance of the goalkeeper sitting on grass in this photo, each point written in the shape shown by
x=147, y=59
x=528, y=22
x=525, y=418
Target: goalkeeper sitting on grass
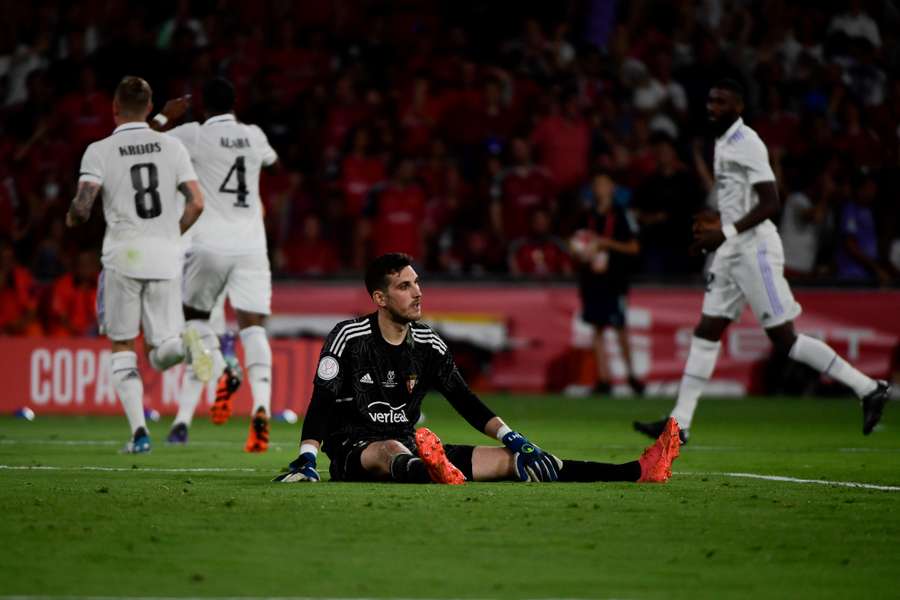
x=374, y=372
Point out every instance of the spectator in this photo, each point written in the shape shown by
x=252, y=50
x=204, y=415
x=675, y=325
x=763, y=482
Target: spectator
x=540, y=254
x=72, y=310
x=521, y=190
x=310, y=253
x=665, y=204
x=18, y=303
x=857, y=253
x=562, y=140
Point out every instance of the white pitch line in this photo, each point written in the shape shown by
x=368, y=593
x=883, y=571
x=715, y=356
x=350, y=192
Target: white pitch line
x=783, y=478
x=130, y=469
x=234, y=598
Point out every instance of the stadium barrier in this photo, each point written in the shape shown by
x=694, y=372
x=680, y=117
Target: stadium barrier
x=523, y=339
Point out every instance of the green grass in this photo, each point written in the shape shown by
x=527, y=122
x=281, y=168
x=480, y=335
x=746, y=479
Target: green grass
x=145, y=532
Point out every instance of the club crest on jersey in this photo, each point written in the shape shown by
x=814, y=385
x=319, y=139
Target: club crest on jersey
x=391, y=380
x=411, y=382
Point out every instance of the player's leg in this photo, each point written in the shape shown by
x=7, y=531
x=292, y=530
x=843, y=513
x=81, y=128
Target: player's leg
x=250, y=293
x=619, y=324
x=203, y=280
x=119, y=316
x=723, y=302
x=773, y=303
x=492, y=463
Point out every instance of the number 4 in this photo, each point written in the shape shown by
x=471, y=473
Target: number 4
x=241, y=189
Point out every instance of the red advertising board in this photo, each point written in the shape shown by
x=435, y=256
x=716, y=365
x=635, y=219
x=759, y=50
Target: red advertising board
x=72, y=376
x=532, y=336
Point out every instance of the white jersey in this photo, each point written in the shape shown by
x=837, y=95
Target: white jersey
x=139, y=171
x=741, y=161
x=228, y=156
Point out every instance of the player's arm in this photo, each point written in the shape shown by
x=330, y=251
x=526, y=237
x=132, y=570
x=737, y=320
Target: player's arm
x=171, y=113
x=303, y=468
x=193, y=204
x=80, y=209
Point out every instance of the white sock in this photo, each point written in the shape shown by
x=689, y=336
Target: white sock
x=820, y=356
x=188, y=397
x=258, y=362
x=129, y=388
x=698, y=369
x=167, y=354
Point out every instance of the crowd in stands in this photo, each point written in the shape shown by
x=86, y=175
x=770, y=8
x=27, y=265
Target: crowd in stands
x=467, y=130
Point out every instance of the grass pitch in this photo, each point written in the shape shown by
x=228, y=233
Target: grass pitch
x=203, y=520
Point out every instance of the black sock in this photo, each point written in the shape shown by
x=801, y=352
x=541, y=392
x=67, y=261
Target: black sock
x=406, y=468
x=587, y=471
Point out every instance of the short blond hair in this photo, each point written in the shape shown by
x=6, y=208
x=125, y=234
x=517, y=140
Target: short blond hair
x=133, y=95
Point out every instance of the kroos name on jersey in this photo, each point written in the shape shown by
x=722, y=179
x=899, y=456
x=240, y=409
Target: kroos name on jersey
x=136, y=149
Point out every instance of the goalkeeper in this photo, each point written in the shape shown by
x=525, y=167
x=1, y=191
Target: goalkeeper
x=373, y=374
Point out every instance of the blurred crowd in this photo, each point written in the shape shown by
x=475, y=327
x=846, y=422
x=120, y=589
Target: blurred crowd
x=464, y=133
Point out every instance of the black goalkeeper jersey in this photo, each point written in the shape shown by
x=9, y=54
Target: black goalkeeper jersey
x=366, y=388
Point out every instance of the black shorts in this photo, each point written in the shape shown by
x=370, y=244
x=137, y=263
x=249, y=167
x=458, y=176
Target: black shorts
x=604, y=309
x=346, y=464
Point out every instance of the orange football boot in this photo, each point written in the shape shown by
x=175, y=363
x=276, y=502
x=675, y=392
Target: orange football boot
x=258, y=438
x=432, y=454
x=656, y=461
x=220, y=411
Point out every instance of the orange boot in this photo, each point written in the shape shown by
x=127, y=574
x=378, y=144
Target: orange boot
x=258, y=438
x=656, y=461
x=432, y=454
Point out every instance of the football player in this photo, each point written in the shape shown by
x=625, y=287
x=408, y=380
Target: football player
x=748, y=268
x=140, y=173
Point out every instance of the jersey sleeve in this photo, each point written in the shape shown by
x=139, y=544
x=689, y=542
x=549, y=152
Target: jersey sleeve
x=755, y=158
x=184, y=169
x=92, y=165
x=187, y=134
x=267, y=154
x=332, y=365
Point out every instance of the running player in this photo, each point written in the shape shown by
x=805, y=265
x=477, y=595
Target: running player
x=140, y=173
x=748, y=267
x=228, y=254
x=373, y=374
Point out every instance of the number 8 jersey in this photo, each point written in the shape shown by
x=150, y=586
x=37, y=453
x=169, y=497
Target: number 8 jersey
x=139, y=171
x=228, y=156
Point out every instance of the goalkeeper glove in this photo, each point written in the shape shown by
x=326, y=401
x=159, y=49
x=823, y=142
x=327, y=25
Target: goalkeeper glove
x=532, y=463
x=302, y=469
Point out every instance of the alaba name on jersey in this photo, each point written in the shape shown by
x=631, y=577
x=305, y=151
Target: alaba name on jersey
x=228, y=156
x=741, y=161
x=139, y=171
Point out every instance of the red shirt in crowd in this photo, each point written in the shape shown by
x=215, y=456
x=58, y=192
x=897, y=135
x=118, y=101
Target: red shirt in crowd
x=310, y=257
x=523, y=190
x=72, y=307
x=359, y=174
x=539, y=257
x=563, y=146
x=398, y=216
x=17, y=299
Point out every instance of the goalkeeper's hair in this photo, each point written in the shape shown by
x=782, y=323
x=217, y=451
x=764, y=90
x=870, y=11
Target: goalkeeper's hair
x=379, y=269
x=133, y=95
x=218, y=96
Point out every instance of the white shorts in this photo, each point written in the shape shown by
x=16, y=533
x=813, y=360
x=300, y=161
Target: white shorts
x=125, y=304
x=245, y=278
x=751, y=273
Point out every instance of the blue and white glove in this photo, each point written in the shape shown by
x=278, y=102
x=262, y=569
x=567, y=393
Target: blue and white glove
x=532, y=463
x=302, y=469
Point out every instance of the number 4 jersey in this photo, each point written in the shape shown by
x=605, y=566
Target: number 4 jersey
x=228, y=156
x=139, y=171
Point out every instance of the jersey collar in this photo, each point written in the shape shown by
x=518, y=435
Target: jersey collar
x=226, y=118
x=731, y=130
x=130, y=126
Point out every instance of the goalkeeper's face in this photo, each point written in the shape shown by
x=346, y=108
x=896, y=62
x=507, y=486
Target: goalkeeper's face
x=403, y=298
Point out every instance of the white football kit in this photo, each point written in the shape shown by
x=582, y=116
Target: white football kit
x=139, y=171
x=228, y=242
x=748, y=268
